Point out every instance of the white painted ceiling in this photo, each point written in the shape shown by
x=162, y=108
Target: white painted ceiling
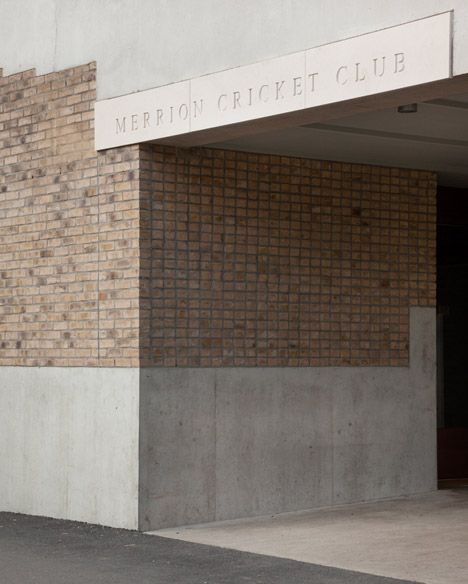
x=434, y=138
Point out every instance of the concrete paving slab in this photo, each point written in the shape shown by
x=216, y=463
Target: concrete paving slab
x=36, y=550
x=422, y=538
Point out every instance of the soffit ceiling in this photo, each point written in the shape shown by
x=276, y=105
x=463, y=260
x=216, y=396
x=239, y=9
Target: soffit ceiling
x=434, y=138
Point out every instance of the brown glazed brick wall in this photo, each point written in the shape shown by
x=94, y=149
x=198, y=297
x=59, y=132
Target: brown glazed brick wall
x=262, y=260
x=69, y=228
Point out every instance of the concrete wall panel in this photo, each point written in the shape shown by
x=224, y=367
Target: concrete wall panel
x=239, y=442
x=273, y=441
x=177, y=446
x=215, y=443
x=69, y=443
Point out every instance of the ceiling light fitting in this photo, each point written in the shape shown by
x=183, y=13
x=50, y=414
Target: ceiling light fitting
x=410, y=108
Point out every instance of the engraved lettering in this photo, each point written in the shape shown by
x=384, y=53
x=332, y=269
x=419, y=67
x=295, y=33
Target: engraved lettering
x=328, y=77
x=297, y=86
x=279, y=87
x=312, y=77
x=399, y=62
x=360, y=75
x=197, y=108
x=183, y=111
x=263, y=93
x=222, y=107
x=236, y=96
x=341, y=75
x=120, y=125
x=377, y=72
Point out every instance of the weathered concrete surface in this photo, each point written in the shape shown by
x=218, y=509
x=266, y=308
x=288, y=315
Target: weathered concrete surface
x=177, y=447
x=34, y=550
x=155, y=448
x=69, y=443
x=421, y=538
x=235, y=442
x=139, y=44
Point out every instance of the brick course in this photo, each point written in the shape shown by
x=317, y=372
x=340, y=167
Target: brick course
x=69, y=228
x=275, y=261
x=150, y=255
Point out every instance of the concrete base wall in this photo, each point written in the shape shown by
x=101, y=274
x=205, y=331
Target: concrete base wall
x=154, y=448
x=69, y=443
x=235, y=442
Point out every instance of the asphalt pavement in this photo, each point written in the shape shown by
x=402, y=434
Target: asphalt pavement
x=38, y=550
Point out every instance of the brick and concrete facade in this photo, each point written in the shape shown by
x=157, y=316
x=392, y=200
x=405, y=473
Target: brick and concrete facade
x=231, y=316
x=170, y=257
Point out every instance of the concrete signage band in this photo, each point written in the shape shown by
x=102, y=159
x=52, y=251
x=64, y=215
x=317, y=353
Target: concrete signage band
x=394, y=58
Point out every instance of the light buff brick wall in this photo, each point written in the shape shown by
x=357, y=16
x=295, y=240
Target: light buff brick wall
x=147, y=255
x=69, y=228
x=275, y=261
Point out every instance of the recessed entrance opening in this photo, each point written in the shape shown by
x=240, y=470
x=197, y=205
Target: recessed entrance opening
x=452, y=333
x=433, y=137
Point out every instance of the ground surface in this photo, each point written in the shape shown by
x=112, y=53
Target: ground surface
x=420, y=538
x=46, y=551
